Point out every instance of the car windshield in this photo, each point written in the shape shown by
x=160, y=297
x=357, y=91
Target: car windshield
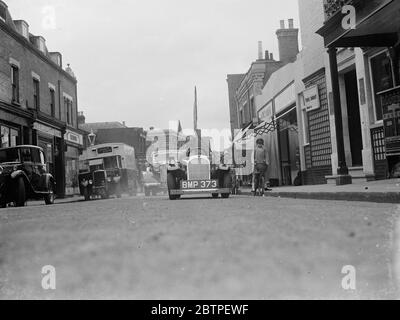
x=9, y=155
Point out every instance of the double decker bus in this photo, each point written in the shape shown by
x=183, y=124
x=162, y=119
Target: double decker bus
x=108, y=169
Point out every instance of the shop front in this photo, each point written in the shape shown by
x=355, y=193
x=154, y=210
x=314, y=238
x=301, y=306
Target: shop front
x=74, y=147
x=376, y=79
x=51, y=140
x=14, y=126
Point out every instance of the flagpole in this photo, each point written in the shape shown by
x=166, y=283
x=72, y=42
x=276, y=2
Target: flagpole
x=195, y=109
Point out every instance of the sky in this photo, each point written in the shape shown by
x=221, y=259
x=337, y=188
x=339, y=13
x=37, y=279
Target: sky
x=139, y=61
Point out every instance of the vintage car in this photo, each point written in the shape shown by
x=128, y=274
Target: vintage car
x=108, y=169
x=197, y=175
x=23, y=176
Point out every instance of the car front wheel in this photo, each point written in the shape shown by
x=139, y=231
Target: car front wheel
x=227, y=184
x=171, y=182
x=20, y=197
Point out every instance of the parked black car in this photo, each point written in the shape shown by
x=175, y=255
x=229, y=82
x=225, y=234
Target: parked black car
x=23, y=176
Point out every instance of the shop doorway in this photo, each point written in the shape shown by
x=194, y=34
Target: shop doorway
x=288, y=146
x=353, y=115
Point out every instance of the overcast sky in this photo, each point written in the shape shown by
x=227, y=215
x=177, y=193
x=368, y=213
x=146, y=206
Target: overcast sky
x=138, y=61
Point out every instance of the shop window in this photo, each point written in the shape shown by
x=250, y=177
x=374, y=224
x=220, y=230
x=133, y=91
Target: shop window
x=36, y=94
x=5, y=137
x=382, y=78
x=13, y=137
x=9, y=137
x=15, y=83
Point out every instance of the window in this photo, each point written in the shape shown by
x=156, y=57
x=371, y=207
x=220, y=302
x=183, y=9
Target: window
x=9, y=137
x=26, y=155
x=252, y=108
x=36, y=94
x=52, y=102
x=42, y=158
x=68, y=109
x=35, y=155
x=9, y=155
x=15, y=83
x=3, y=12
x=382, y=78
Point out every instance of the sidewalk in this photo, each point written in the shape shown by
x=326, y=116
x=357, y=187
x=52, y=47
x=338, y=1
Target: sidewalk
x=383, y=191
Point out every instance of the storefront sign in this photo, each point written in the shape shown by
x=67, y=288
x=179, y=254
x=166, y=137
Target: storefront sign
x=311, y=99
x=73, y=137
x=47, y=130
x=265, y=114
x=285, y=99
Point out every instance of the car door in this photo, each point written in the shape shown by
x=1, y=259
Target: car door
x=38, y=176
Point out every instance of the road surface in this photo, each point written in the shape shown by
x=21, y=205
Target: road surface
x=237, y=248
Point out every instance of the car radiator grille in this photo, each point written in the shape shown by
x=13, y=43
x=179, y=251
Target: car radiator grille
x=198, y=170
x=99, y=179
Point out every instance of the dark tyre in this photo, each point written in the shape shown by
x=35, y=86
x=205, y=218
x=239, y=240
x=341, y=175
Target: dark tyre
x=49, y=198
x=86, y=194
x=20, y=197
x=171, y=182
x=215, y=195
x=227, y=184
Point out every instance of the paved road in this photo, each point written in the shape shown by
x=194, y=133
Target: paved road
x=239, y=248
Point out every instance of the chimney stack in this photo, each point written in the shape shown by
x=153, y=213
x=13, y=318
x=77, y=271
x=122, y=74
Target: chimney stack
x=260, y=50
x=81, y=118
x=288, y=42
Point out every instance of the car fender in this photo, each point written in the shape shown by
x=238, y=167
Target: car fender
x=49, y=178
x=18, y=173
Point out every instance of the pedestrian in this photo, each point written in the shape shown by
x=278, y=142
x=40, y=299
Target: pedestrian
x=261, y=163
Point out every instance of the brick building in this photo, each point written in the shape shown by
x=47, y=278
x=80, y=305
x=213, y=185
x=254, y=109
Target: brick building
x=251, y=95
x=38, y=100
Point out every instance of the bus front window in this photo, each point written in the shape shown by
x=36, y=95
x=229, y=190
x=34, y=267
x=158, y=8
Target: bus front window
x=111, y=163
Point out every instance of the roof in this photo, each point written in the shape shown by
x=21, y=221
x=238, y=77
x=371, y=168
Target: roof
x=95, y=126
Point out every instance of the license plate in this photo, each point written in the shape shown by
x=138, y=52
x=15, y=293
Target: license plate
x=199, y=184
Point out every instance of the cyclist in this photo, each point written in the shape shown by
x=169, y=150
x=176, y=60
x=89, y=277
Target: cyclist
x=260, y=166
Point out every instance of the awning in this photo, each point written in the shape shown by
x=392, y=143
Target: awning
x=242, y=134
x=377, y=25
